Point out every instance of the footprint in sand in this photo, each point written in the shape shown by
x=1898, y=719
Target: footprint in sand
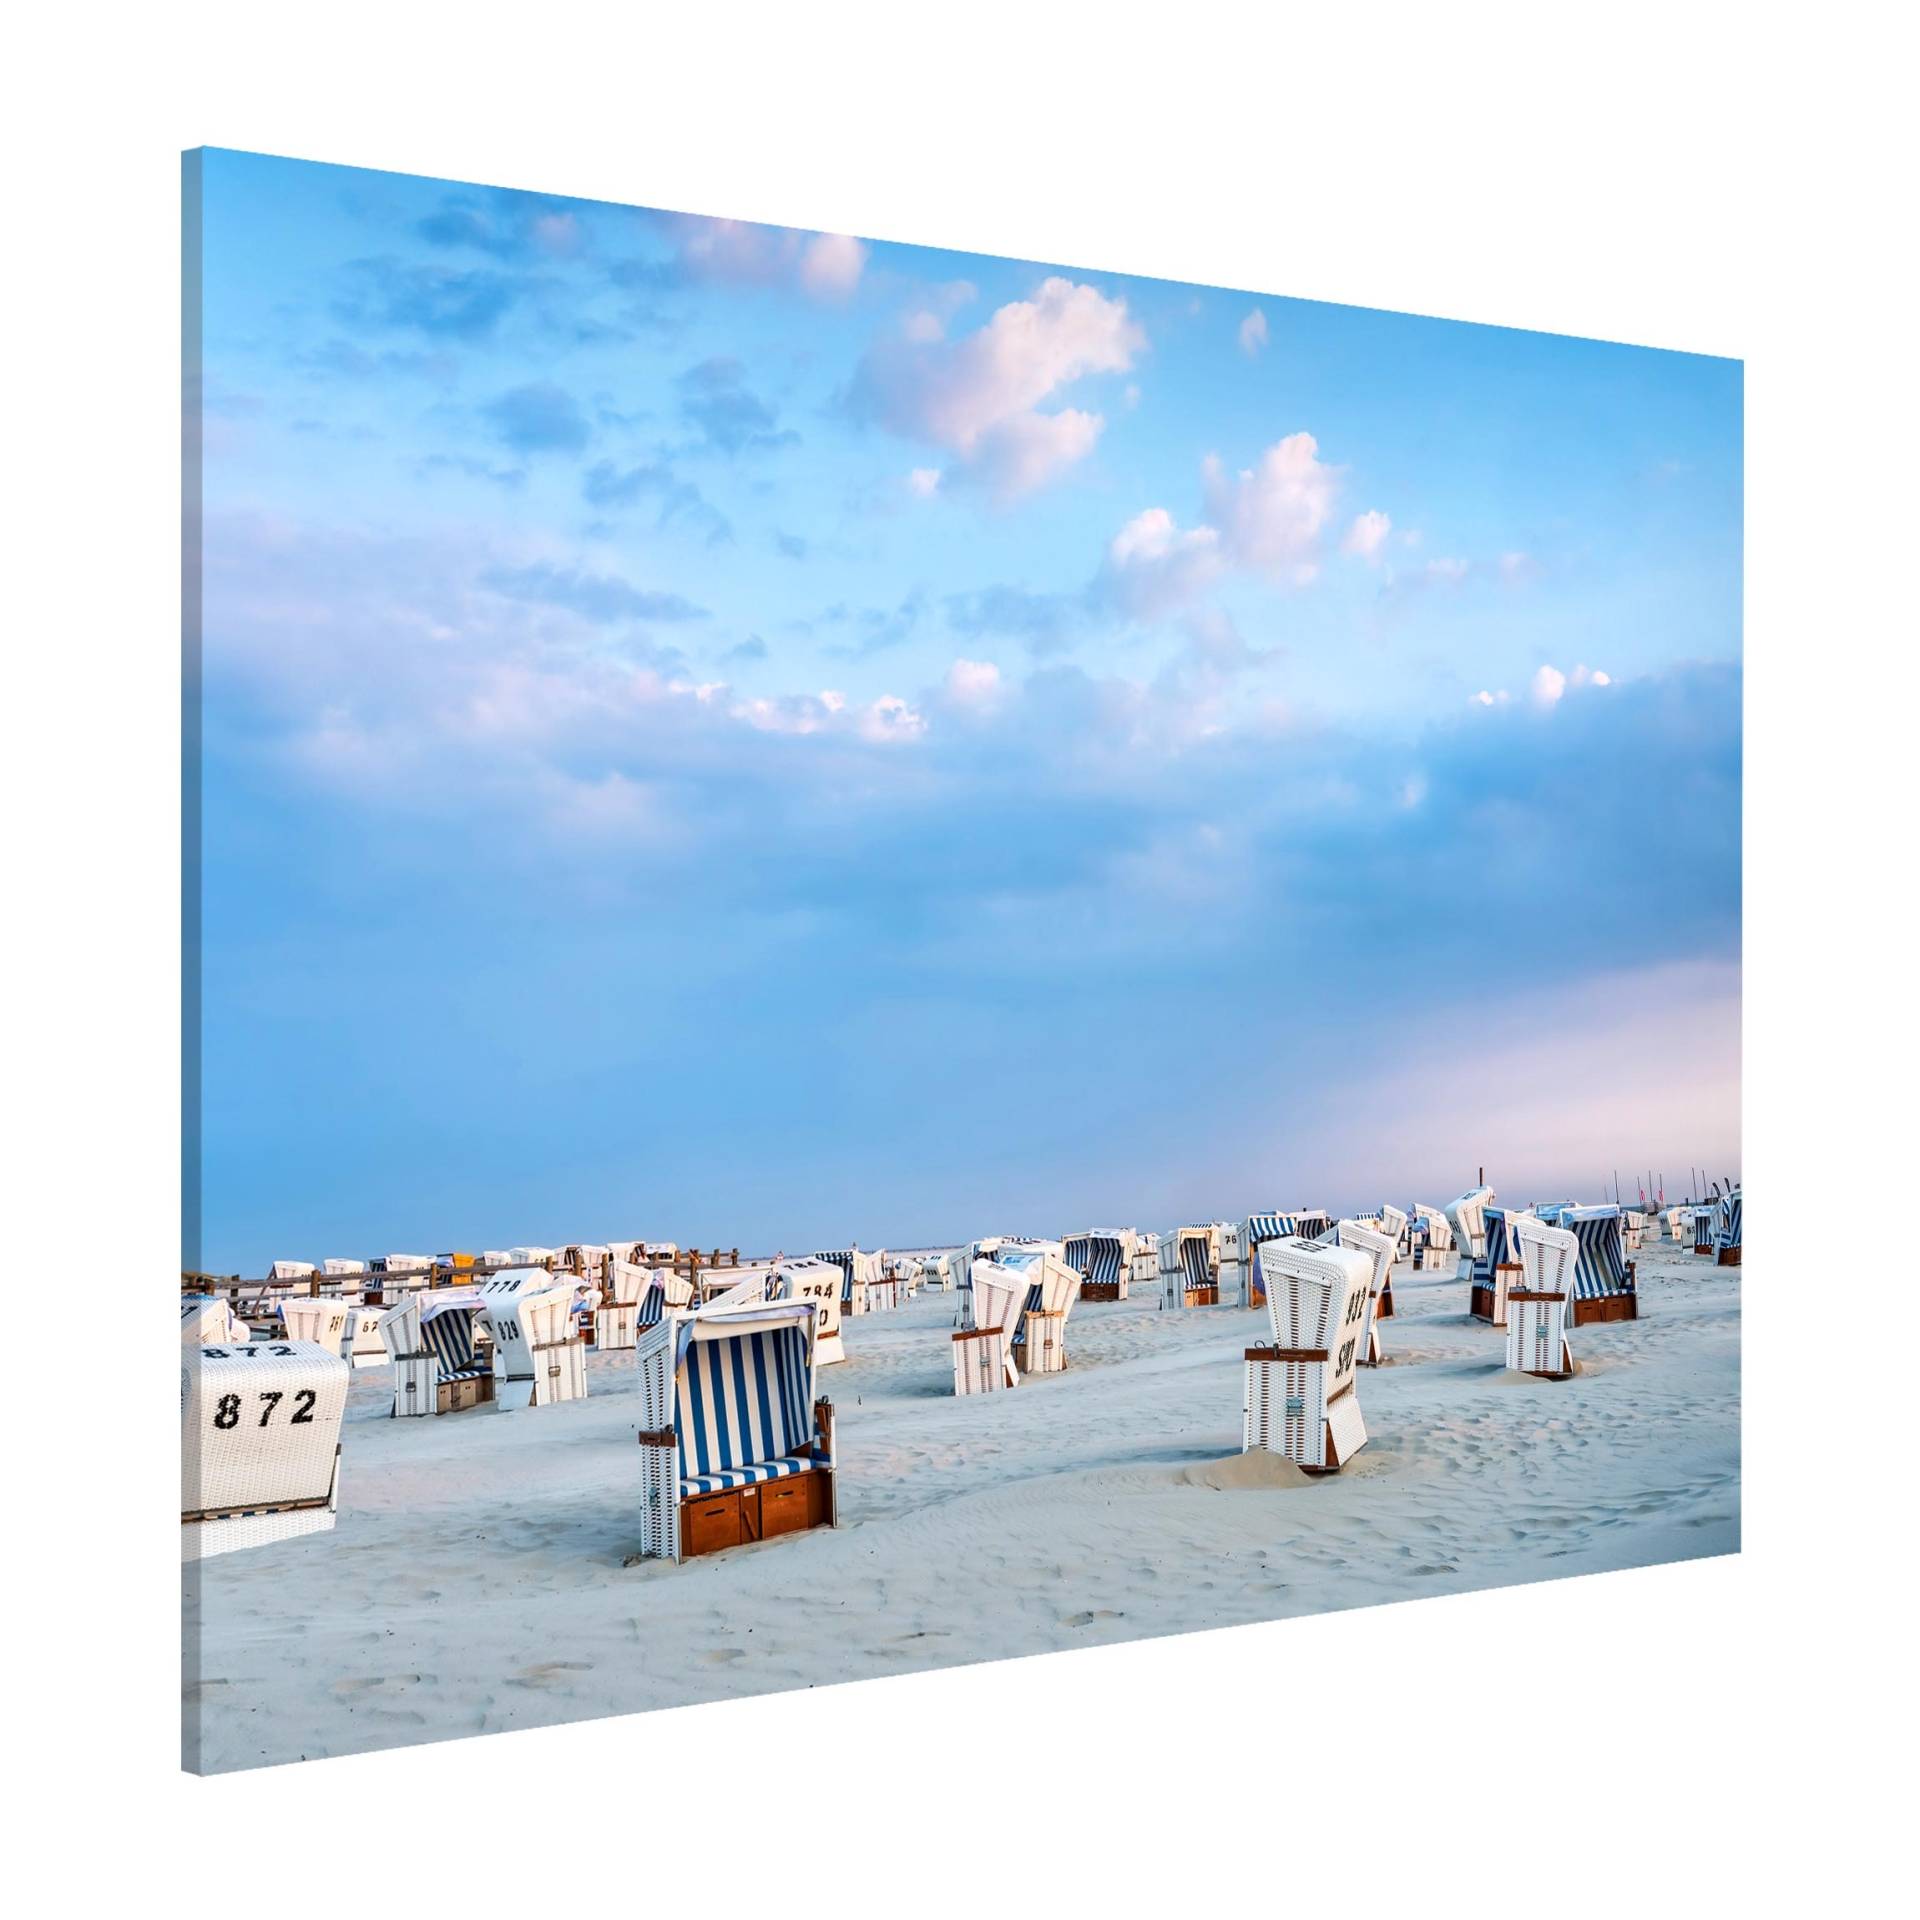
x=548, y=1673
x=725, y=1656
x=1087, y=1619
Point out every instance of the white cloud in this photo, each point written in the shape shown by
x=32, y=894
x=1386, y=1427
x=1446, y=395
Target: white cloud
x=1486, y=699
x=831, y=265
x=1447, y=572
x=924, y=482
x=980, y=396
x=1367, y=536
x=973, y=683
x=1253, y=332
x=1154, y=566
x=1549, y=683
x=891, y=718
x=1271, y=515
x=741, y=253
x=1266, y=519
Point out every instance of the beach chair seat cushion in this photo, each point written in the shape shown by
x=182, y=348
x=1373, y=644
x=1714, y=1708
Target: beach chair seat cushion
x=725, y=1479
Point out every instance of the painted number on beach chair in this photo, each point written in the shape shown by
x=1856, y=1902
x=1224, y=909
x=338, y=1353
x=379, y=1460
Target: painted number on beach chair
x=226, y=1415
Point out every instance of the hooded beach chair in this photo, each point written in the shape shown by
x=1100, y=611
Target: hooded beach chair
x=818, y=1281
x=291, y=1270
x=1240, y=1254
x=1146, y=1259
x=860, y=1272
x=259, y=1443
x=1603, y=1279
x=733, y=1445
x=538, y=1358
x=1300, y=1399
x=364, y=1346
x=618, y=1313
x=1103, y=1257
x=1394, y=1224
x=1538, y=1303
x=1190, y=1267
x=1726, y=1229
x=1467, y=1219
x=665, y=1292
x=1040, y=1339
x=437, y=1365
x=1437, y=1241
x=1378, y=1247
x=983, y=1358
x=323, y=1321
x=1496, y=1270
x=1703, y=1230
x=207, y=1320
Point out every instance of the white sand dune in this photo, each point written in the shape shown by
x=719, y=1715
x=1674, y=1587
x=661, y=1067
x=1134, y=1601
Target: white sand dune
x=476, y=1580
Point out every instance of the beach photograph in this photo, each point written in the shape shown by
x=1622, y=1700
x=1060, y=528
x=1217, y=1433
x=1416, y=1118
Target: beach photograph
x=1036, y=957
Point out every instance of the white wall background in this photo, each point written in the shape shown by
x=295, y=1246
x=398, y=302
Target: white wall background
x=1731, y=181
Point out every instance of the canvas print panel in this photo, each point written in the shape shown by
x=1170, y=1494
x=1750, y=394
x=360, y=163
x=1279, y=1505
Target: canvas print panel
x=1034, y=957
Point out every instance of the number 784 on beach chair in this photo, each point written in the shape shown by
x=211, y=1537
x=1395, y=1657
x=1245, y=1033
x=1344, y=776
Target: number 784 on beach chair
x=733, y=1445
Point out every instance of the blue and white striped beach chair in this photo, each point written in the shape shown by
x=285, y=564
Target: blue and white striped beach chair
x=1189, y=1275
x=1103, y=1258
x=1603, y=1280
x=437, y=1366
x=1240, y=1260
x=1726, y=1229
x=1493, y=1269
x=734, y=1446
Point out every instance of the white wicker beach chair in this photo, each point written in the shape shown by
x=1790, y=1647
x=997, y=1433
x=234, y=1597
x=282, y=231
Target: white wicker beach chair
x=820, y=1282
x=1467, y=1219
x=1496, y=1271
x=1538, y=1306
x=1378, y=1247
x=364, y=1346
x=207, y=1320
x=1052, y=1286
x=1604, y=1285
x=983, y=1353
x=1438, y=1239
x=291, y=1270
x=437, y=1366
x=538, y=1358
x=734, y=1447
x=618, y=1313
x=311, y=1317
x=1300, y=1399
x=259, y=1443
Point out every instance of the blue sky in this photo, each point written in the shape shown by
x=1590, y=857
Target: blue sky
x=737, y=735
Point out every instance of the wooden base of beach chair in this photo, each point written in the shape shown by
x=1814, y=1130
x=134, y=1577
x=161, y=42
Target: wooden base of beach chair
x=1487, y=1299
x=456, y=1396
x=1383, y=1307
x=1606, y=1306
x=1728, y=1257
x=1200, y=1296
x=1100, y=1290
x=715, y=1521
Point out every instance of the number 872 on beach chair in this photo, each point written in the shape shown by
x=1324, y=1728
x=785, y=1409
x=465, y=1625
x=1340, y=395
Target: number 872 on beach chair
x=733, y=1445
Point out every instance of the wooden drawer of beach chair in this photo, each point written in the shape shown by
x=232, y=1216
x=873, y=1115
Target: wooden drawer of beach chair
x=786, y=1505
x=710, y=1524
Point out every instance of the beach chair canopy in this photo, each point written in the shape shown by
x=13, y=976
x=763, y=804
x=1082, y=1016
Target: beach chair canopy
x=1601, y=1267
x=743, y=1396
x=290, y=1270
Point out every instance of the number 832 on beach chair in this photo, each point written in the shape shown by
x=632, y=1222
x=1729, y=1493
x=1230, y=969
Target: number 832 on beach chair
x=259, y=1443
x=733, y=1445
x=1301, y=1401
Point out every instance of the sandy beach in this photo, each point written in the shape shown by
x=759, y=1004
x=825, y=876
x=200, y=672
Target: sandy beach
x=476, y=1580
